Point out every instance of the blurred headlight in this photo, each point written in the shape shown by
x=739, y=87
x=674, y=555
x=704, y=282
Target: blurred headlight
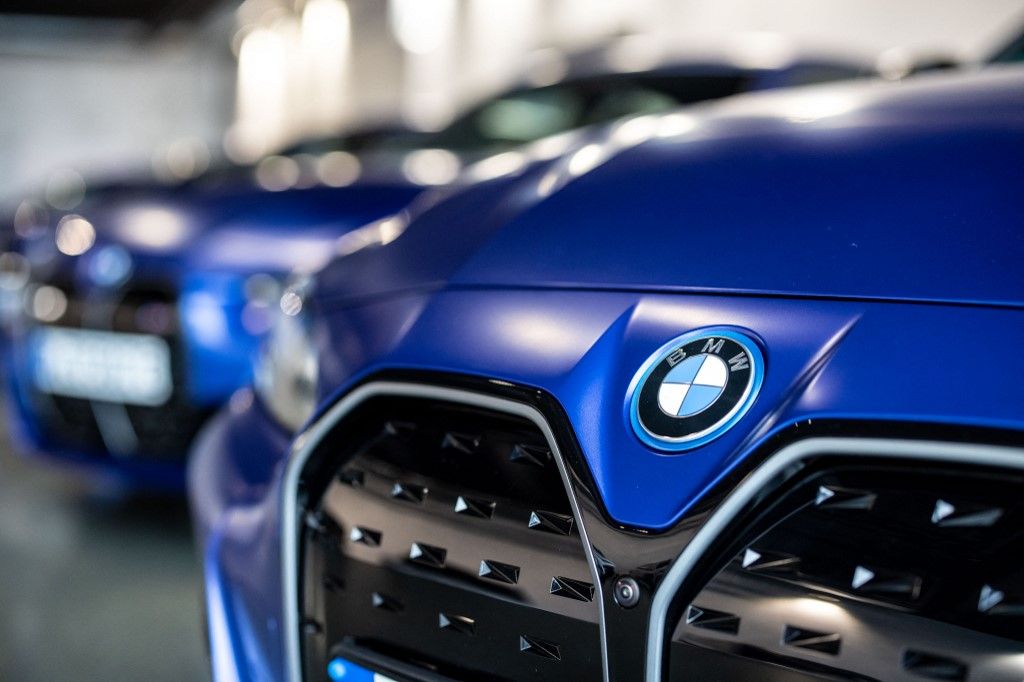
x=14, y=276
x=287, y=368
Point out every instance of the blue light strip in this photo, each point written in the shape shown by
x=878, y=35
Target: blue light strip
x=343, y=670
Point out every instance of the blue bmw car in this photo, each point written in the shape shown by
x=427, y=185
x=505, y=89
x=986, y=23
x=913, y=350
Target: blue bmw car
x=147, y=304
x=703, y=399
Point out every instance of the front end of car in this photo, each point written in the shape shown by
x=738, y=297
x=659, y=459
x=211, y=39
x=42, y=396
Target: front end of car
x=445, y=521
x=97, y=364
x=141, y=314
x=120, y=380
x=589, y=441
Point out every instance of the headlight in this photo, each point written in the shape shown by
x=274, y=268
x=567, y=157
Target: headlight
x=14, y=276
x=287, y=368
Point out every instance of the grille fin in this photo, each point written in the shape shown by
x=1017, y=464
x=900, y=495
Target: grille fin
x=763, y=561
x=948, y=515
x=572, y=589
x=462, y=442
x=471, y=506
x=352, y=477
x=812, y=640
x=463, y=625
x=427, y=555
x=551, y=522
x=365, y=536
x=879, y=581
x=397, y=429
x=497, y=571
x=709, y=619
x=333, y=583
x=933, y=667
x=530, y=455
x=385, y=602
x=409, y=492
x=834, y=497
x=540, y=647
x=998, y=602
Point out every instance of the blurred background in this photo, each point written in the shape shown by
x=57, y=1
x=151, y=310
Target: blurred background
x=98, y=581
x=101, y=85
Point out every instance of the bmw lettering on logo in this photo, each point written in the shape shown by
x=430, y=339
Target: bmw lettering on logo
x=695, y=388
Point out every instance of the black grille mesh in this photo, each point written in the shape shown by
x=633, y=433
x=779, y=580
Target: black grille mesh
x=870, y=571
x=438, y=543
x=161, y=432
x=441, y=536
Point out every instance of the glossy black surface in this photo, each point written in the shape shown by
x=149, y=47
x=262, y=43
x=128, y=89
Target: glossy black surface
x=161, y=432
x=646, y=557
x=444, y=540
x=882, y=571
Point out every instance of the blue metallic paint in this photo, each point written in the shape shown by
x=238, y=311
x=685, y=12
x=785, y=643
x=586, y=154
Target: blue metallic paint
x=874, y=253
x=741, y=197
x=231, y=499
x=591, y=344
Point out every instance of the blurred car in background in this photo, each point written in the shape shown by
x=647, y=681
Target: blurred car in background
x=703, y=399
x=142, y=310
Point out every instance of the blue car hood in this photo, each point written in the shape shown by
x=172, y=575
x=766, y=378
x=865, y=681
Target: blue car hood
x=876, y=191
x=238, y=228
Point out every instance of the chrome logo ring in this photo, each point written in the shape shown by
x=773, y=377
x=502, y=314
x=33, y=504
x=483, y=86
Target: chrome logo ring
x=695, y=388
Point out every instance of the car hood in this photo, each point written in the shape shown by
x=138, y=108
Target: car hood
x=902, y=191
x=232, y=228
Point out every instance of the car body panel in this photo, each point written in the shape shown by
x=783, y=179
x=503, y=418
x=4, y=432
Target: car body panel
x=542, y=292
x=826, y=361
x=700, y=191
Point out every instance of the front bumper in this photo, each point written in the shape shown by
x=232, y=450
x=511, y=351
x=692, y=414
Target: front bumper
x=211, y=353
x=32, y=440
x=825, y=381
x=234, y=464
x=246, y=528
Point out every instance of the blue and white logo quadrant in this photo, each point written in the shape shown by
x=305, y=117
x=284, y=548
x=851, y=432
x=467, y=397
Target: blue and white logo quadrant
x=695, y=388
x=693, y=385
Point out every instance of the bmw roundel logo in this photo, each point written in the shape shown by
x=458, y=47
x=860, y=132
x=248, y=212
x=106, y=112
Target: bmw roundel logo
x=694, y=388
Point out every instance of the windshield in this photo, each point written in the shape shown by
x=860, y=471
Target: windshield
x=530, y=114
x=1010, y=53
x=516, y=118
x=358, y=142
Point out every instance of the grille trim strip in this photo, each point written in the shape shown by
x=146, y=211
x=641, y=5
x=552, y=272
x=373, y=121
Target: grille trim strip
x=883, y=448
x=306, y=443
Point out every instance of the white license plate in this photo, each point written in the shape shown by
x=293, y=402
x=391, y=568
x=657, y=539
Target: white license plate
x=107, y=366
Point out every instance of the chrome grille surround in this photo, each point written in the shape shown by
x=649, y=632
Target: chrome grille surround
x=783, y=465
x=306, y=444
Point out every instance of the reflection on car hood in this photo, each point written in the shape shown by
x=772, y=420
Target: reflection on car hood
x=237, y=228
x=783, y=193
